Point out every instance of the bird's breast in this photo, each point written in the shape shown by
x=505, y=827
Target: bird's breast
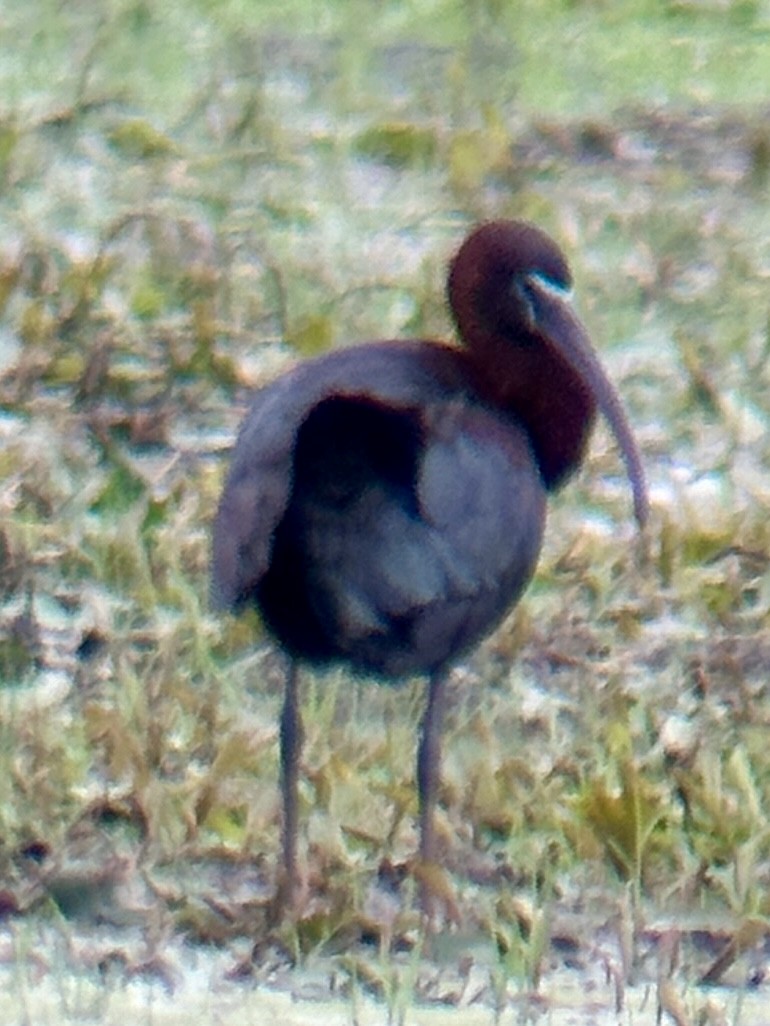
x=407, y=536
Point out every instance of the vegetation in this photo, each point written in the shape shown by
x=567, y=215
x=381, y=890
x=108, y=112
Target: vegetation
x=194, y=195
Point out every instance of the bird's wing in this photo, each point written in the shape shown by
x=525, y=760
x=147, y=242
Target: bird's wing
x=406, y=586
x=258, y=487
x=481, y=492
x=480, y=488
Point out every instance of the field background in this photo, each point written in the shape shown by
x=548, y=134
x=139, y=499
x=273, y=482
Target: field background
x=194, y=195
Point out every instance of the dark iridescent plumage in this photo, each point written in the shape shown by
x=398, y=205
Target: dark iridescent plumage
x=385, y=504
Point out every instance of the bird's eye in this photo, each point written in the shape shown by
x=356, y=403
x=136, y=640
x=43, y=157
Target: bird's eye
x=551, y=285
x=526, y=290
x=521, y=292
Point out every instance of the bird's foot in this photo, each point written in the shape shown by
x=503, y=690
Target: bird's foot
x=289, y=899
x=437, y=897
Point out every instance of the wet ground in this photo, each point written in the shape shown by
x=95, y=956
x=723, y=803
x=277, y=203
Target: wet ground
x=181, y=229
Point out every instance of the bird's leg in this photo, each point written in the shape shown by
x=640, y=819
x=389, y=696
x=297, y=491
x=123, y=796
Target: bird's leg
x=429, y=764
x=291, y=738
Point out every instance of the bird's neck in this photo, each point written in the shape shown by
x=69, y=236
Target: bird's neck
x=537, y=387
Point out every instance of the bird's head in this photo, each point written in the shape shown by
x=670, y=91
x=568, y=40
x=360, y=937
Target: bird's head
x=509, y=289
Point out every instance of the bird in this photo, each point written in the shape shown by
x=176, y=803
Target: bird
x=385, y=503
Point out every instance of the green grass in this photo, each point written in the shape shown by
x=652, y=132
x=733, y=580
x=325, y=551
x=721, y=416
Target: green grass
x=192, y=196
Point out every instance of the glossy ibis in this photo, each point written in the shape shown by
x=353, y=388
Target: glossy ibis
x=385, y=504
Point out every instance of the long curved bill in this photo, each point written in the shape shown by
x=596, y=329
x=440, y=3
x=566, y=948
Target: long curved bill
x=556, y=321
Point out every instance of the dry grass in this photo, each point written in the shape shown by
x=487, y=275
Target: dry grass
x=182, y=221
